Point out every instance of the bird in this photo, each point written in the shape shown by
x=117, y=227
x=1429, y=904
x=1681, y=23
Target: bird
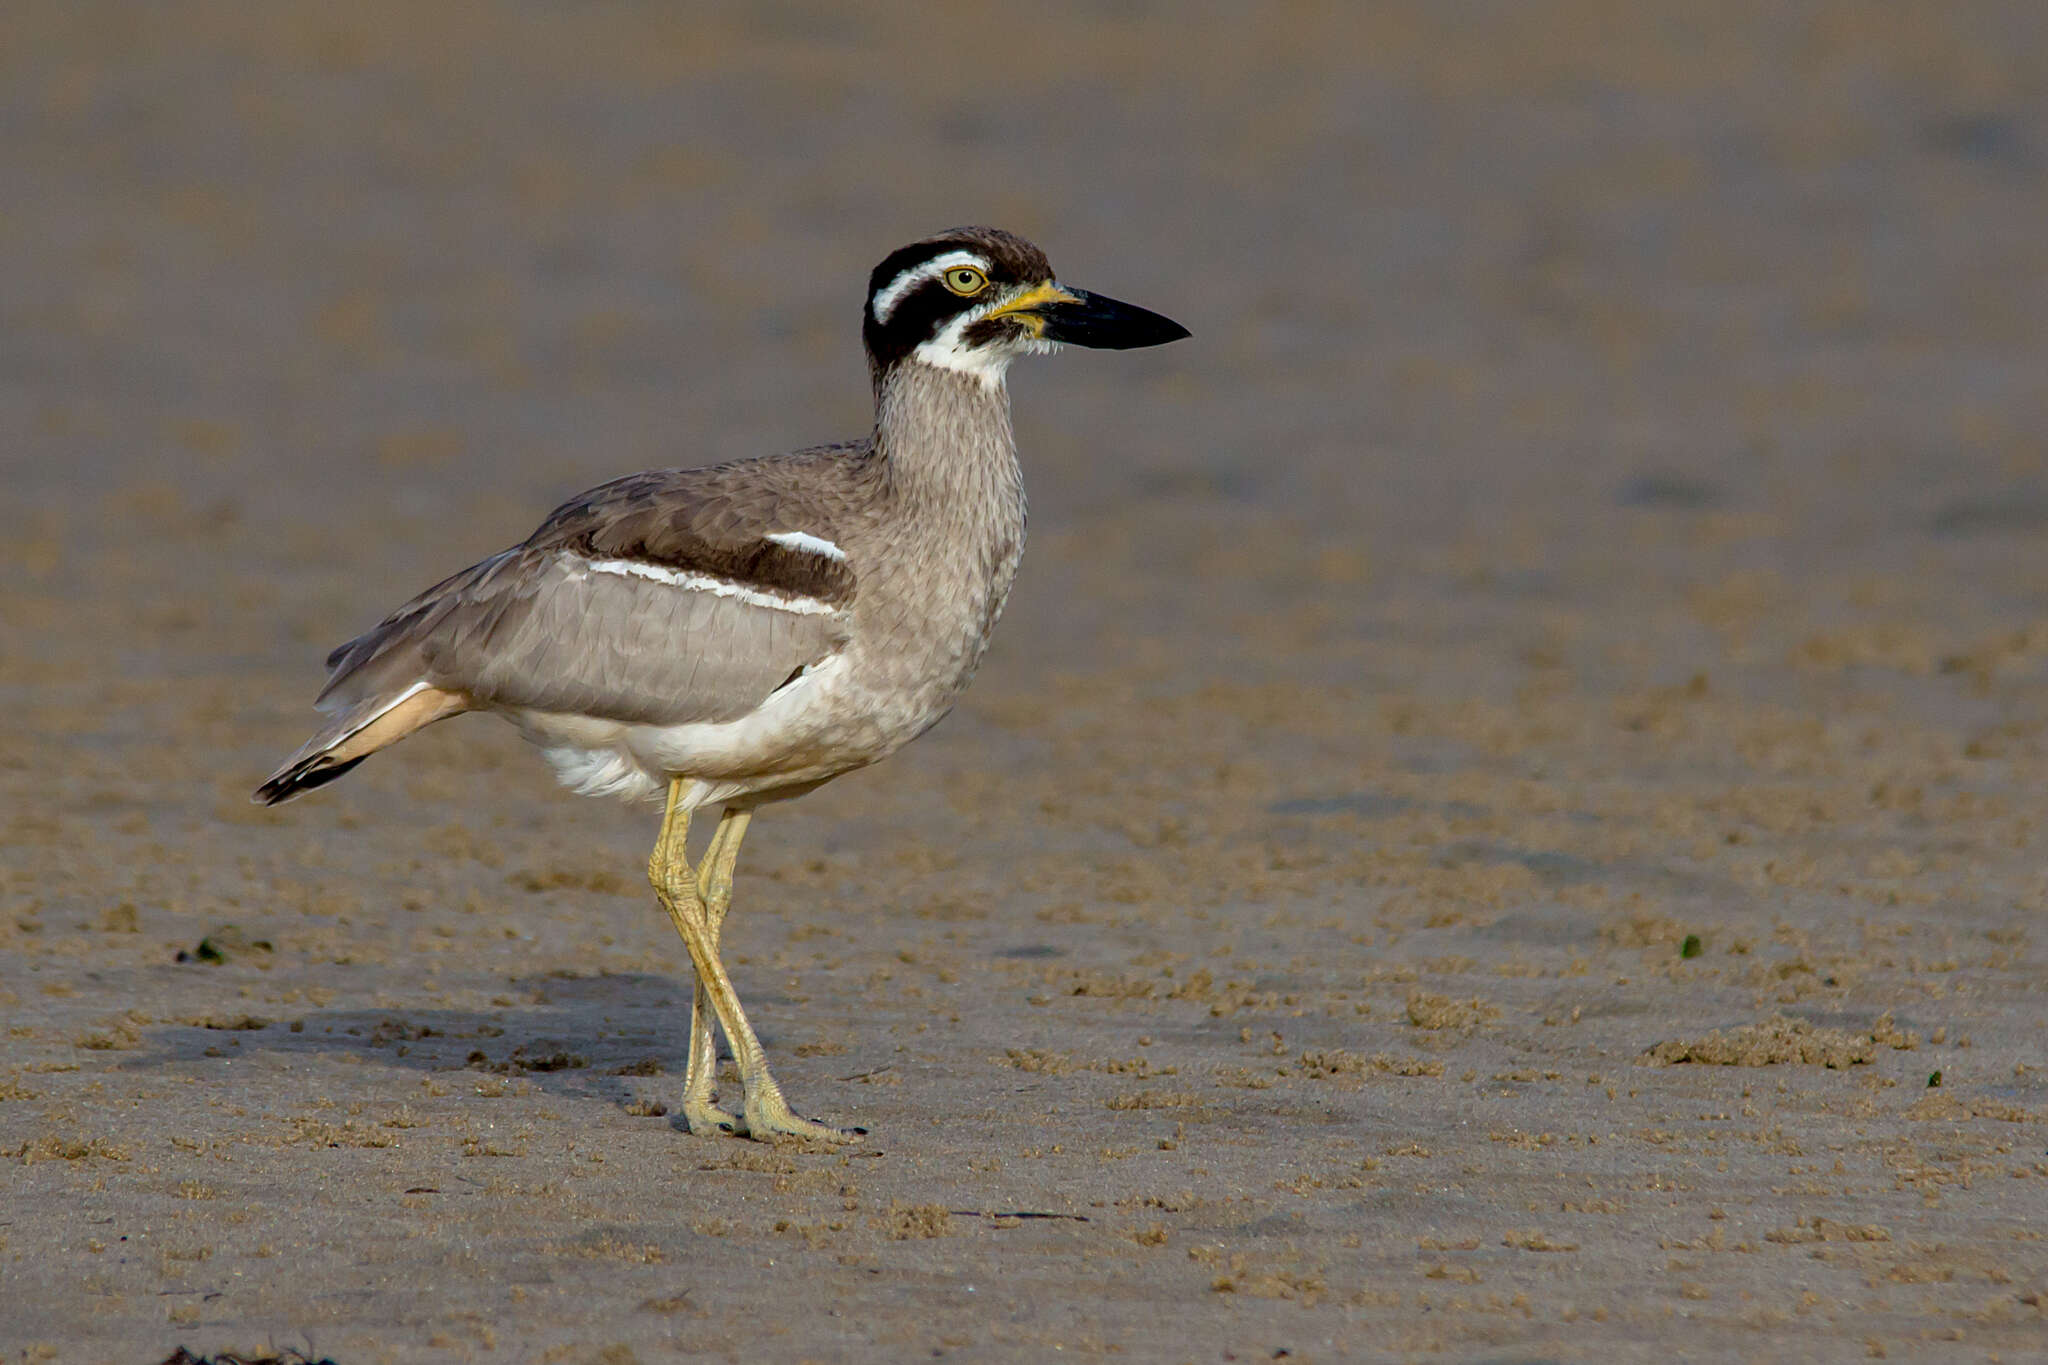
x=736, y=635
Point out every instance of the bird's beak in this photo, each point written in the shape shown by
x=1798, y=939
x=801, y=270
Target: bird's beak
x=1053, y=312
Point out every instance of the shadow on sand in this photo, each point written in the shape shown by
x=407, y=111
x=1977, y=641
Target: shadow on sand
x=584, y=1037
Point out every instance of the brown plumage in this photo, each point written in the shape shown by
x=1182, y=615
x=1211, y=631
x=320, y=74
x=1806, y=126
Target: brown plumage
x=533, y=628
x=742, y=633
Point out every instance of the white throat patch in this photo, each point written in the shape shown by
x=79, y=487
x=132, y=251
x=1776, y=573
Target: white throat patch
x=950, y=351
x=988, y=362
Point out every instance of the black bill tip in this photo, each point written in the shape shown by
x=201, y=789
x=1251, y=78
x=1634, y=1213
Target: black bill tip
x=1106, y=324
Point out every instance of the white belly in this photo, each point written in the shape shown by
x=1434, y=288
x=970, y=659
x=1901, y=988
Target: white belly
x=816, y=727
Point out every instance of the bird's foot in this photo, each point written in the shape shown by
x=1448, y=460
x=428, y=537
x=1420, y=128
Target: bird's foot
x=705, y=1118
x=769, y=1117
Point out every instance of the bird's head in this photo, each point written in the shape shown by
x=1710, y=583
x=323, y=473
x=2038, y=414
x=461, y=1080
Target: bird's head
x=973, y=299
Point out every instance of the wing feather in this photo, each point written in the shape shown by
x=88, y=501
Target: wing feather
x=721, y=617
x=624, y=648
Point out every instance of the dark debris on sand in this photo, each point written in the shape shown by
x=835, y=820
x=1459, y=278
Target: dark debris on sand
x=181, y=1356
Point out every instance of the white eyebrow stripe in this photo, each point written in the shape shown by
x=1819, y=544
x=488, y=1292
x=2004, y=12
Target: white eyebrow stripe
x=804, y=540
x=892, y=293
x=718, y=587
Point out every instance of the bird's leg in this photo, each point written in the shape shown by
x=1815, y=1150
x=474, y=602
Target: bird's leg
x=766, y=1113
x=671, y=845
x=714, y=889
x=714, y=874
x=677, y=888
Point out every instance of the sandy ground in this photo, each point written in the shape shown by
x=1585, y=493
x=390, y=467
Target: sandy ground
x=1513, y=767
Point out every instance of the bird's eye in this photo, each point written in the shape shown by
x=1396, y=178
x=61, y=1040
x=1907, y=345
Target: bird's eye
x=965, y=279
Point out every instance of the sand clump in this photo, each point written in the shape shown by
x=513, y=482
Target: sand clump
x=1782, y=1040
x=1429, y=1011
x=911, y=1222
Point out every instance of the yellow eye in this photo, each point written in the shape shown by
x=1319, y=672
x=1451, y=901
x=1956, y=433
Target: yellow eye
x=965, y=279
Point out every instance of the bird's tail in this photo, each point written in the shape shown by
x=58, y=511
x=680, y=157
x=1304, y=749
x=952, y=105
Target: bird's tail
x=356, y=733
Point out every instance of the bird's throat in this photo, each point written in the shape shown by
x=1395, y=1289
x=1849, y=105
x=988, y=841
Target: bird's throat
x=947, y=443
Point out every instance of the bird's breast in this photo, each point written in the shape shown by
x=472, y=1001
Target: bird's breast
x=920, y=632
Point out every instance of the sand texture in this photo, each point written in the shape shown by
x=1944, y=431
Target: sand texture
x=1504, y=821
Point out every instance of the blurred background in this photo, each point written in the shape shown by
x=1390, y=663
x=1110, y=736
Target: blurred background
x=306, y=305
x=1603, y=502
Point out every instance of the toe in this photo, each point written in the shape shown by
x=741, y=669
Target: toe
x=708, y=1119
x=771, y=1123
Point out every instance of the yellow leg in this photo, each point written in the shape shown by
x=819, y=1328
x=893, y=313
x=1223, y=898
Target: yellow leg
x=675, y=886
x=714, y=887
x=683, y=893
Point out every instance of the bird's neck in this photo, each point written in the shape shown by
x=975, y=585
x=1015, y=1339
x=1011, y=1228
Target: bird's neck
x=952, y=497
x=944, y=438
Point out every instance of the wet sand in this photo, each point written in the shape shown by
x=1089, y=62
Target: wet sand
x=1513, y=765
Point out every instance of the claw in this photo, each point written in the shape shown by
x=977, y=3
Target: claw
x=705, y=1119
x=769, y=1116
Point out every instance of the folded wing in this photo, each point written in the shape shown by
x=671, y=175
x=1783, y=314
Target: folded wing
x=658, y=599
